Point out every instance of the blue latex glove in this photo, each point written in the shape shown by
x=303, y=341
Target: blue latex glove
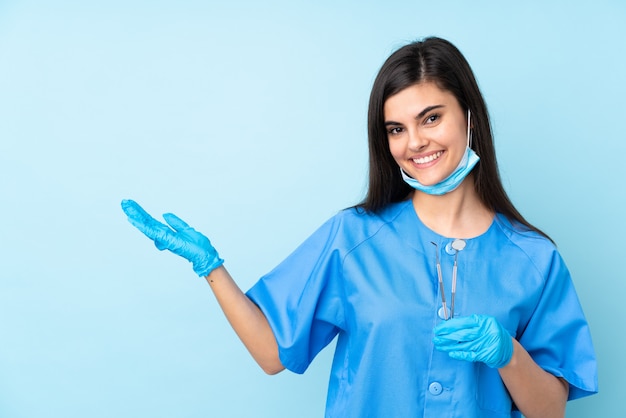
x=178, y=238
x=475, y=338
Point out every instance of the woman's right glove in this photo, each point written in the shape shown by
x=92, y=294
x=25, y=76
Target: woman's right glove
x=176, y=236
x=475, y=338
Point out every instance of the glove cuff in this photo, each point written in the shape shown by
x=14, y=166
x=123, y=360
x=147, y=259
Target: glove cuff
x=206, y=269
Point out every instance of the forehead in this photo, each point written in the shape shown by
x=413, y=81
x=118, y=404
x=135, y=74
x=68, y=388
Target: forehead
x=417, y=97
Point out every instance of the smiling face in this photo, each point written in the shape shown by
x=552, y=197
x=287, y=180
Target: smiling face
x=427, y=131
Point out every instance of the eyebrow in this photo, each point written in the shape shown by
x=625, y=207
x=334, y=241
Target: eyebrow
x=419, y=115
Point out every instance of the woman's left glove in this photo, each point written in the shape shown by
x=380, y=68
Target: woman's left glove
x=475, y=338
x=176, y=236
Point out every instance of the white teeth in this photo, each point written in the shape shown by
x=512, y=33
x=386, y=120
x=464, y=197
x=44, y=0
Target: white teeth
x=428, y=159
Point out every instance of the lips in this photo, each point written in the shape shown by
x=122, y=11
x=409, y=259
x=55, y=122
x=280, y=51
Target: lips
x=429, y=158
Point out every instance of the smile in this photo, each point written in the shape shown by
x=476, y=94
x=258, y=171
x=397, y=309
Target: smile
x=428, y=159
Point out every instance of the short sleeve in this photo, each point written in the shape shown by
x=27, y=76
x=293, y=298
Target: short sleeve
x=557, y=336
x=302, y=298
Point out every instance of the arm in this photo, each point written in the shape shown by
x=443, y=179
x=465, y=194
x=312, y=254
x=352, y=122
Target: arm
x=536, y=392
x=244, y=316
x=247, y=320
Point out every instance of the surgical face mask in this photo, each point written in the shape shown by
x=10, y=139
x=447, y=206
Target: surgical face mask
x=450, y=183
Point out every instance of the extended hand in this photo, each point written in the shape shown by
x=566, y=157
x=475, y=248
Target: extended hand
x=178, y=237
x=475, y=338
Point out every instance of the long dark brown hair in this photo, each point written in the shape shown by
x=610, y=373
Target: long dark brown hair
x=438, y=61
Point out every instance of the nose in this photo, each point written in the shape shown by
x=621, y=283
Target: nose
x=416, y=141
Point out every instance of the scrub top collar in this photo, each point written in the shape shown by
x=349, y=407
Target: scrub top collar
x=421, y=236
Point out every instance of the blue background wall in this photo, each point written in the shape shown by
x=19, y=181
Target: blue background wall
x=248, y=120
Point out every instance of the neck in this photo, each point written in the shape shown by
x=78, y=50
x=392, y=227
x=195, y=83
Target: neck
x=458, y=214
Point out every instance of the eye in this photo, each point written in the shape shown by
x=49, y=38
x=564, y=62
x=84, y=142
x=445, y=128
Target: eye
x=432, y=118
x=396, y=130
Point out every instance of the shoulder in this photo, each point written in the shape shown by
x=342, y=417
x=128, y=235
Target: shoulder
x=355, y=225
x=521, y=236
x=538, y=249
x=359, y=216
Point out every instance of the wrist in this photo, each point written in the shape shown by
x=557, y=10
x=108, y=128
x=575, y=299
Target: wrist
x=205, y=268
x=509, y=358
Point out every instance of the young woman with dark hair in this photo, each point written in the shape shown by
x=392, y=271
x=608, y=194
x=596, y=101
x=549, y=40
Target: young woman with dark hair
x=444, y=300
x=434, y=60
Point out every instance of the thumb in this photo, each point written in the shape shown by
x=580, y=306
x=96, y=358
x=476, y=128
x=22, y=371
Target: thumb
x=175, y=222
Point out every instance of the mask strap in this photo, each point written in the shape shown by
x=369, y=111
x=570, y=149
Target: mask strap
x=469, y=136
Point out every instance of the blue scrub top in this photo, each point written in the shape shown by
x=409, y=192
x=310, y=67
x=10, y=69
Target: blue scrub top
x=371, y=280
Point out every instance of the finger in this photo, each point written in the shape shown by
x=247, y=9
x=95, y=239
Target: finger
x=141, y=220
x=162, y=243
x=455, y=324
x=175, y=222
x=447, y=345
x=136, y=213
x=458, y=322
x=463, y=355
x=449, y=338
x=467, y=334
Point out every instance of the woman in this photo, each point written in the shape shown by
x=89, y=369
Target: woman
x=445, y=301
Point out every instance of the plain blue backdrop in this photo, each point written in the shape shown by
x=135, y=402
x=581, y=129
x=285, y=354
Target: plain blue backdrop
x=248, y=119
